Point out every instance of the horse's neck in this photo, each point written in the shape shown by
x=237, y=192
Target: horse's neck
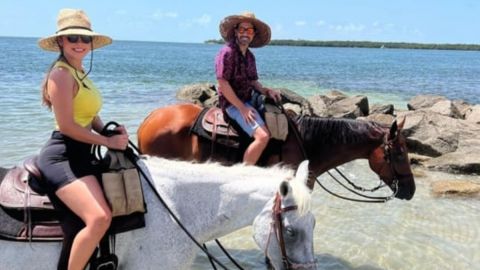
x=327, y=149
x=212, y=199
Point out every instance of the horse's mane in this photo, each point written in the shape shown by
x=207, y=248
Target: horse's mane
x=331, y=131
x=214, y=171
x=302, y=196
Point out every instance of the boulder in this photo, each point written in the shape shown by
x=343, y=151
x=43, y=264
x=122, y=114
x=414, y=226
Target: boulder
x=382, y=109
x=424, y=101
x=350, y=107
x=446, y=107
x=472, y=115
x=430, y=133
x=455, y=187
x=385, y=119
x=198, y=93
x=462, y=107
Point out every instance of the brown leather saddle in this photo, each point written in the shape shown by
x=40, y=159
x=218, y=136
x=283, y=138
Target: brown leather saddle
x=28, y=212
x=212, y=122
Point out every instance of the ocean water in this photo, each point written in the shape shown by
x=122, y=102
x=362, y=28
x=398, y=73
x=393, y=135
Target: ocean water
x=137, y=77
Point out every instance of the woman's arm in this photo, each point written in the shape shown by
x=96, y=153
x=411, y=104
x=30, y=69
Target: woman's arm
x=61, y=90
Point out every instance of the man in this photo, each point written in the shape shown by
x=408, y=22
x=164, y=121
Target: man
x=237, y=77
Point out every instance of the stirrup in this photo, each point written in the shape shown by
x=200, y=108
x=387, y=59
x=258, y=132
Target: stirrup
x=108, y=262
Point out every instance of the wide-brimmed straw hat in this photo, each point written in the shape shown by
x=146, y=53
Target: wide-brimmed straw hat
x=73, y=22
x=262, y=30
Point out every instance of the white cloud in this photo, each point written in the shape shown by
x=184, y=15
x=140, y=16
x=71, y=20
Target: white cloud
x=320, y=23
x=300, y=23
x=348, y=28
x=203, y=20
x=158, y=15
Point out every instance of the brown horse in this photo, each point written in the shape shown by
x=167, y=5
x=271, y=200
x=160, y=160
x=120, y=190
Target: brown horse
x=326, y=142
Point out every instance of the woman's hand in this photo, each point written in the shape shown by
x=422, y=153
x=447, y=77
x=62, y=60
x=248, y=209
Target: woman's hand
x=121, y=130
x=118, y=142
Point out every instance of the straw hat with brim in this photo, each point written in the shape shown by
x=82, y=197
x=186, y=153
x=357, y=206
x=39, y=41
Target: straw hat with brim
x=262, y=30
x=73, y=22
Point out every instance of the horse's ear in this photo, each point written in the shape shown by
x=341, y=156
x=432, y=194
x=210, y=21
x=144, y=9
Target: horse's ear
x=284, y=188
x=302, y=172
x=393, y=130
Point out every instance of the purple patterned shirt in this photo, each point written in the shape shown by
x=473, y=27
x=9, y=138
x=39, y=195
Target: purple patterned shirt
x=240, y=71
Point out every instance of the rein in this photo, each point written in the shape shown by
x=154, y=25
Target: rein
x=371, y=199
x=134, y=158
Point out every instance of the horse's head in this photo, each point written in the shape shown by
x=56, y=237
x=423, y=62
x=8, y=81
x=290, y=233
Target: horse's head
x=390, y=161
x=284, y=228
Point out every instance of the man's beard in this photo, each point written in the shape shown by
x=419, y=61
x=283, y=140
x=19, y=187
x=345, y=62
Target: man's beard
x=244, y=40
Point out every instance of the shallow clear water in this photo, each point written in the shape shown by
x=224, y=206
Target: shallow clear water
x=427, y=232
x=137, y=77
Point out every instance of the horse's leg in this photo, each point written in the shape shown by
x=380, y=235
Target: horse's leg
x=166, y=132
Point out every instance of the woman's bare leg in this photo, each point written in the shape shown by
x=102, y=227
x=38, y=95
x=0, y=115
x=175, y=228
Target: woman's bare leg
x=85, y=198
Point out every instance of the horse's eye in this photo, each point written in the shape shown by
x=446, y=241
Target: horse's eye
x=290, y=232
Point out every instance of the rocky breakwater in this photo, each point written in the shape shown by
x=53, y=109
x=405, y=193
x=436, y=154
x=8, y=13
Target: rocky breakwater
x=442, y=135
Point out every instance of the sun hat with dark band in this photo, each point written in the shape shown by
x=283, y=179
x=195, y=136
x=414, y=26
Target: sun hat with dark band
x=262, y=30
x=73, y=22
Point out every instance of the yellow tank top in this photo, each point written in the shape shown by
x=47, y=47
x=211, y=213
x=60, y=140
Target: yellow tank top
x=88, y=101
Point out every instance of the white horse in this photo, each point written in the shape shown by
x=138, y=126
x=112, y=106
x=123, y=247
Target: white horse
x=211, y=201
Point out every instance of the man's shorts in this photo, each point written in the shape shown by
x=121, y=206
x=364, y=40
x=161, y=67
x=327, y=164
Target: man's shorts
x=249, y=128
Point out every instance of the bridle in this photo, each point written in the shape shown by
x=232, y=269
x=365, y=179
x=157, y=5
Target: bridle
x=277, y=227
x=389, y=156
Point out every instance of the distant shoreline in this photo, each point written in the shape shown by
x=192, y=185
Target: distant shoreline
x=365, y=44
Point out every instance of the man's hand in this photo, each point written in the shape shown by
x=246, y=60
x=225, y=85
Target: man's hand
x=248, y=114
x=273, y=94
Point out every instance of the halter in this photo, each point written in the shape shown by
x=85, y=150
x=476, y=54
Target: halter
x=277, y=227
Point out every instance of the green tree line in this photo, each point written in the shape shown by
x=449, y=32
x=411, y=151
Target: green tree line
x=365, y=44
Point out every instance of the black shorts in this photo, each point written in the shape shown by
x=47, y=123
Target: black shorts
x=63, y=160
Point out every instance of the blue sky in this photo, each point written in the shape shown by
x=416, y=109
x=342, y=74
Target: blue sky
x=423, y=21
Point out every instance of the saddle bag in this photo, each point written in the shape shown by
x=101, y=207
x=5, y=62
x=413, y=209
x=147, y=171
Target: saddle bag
x=277, y=122
x=122, y=186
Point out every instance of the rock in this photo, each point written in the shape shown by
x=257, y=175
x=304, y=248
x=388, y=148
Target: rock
x=446, y=107
x=289, y=96
x=197, y=93
x=382, y=109
x=293, y=107
x=350, y=107
x=424, y=101
x=462, y=107
x=320, y=105
x=417, y=159
x=385, y=119
x=455, y=187
x=431, y=134
x=335, y=95
x=472, y=115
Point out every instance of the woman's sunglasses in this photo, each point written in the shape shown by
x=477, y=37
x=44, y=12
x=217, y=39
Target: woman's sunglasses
x=75, y=38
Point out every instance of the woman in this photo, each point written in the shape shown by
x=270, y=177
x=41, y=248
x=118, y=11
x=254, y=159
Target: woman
x=69, y=169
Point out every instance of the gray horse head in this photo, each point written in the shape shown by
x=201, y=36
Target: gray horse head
x=288, y=219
